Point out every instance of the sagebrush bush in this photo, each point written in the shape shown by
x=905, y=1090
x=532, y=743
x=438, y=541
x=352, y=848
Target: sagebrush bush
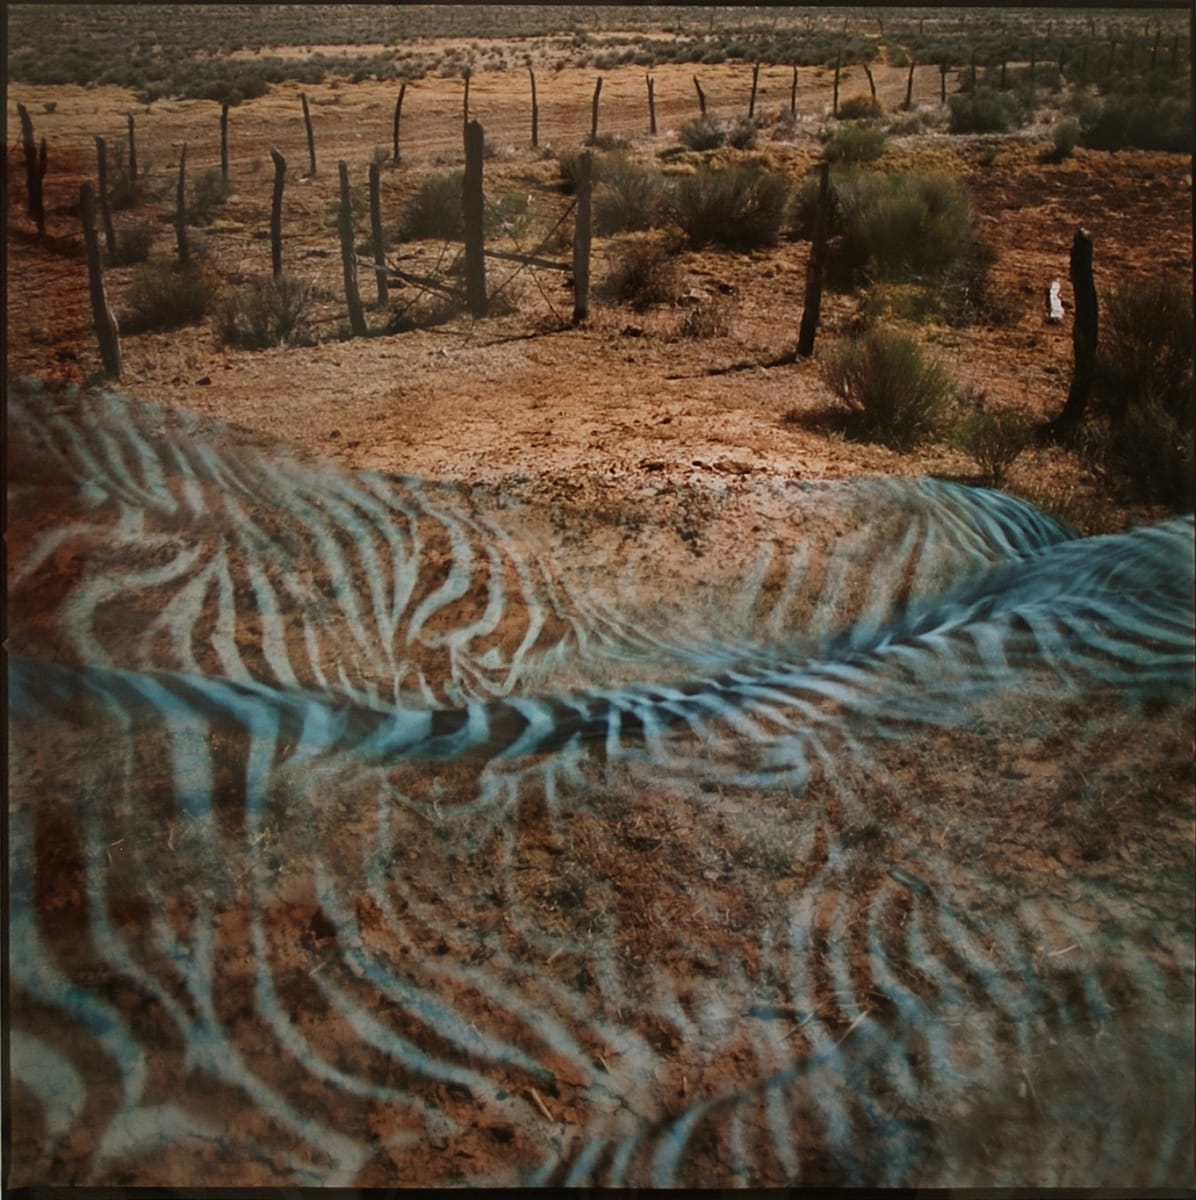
x=702, y=133
x=628, y=198
x=435, y=209
x=1065, y=137
x=858, y=108
x=985, y=111
x=740, y=206
x=265, y=313
x=644, y=274
x=163, y=295
x=995, y=440
x=893, y=391
x=133, y=244
x=856, y=143
x=1144, y=122
x=742, y=135
x=704, y=321
x=903, y=230
x=209, y=190
x=1144, y=391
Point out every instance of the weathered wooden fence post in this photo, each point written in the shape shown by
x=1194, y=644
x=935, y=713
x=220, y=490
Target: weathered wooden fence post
x=1004, y=65
x=816, y=268
x=535, y=109
x=872, y=88
x=972, y=73
x=701, y=96
x=835, y=96
x=311, y=137
x=348, y=257
x=793, y=93
x=909, y=87
x=468, y=74
x=755, y=85
x=398, y=115
x=651, y=105
x=105, y=207
x=473, y=216
x=132, y=152
x=1085, y=331
x=105, y=323
x=581, y=237
x=280, y=172
x=180, y=210
x=224, y=140
x=1033, y=63
x=594, y=111
x=376, y=233
x=35, y=171
x=942, y=83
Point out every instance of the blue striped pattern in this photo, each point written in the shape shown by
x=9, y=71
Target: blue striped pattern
x=367, y=832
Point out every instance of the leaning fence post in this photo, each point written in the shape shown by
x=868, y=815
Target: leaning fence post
x=755, y=84
x=35, y=171
x=132, y=151
x=872, y=88
x=793, y=93
x=376, y=233
x=535, y=109
x=105, y=208
x=280, y=171
x=348, y=258
x=835, y=97
x=581, y=238
x=815, y=269
x=224, y=140
x=180, y=209
x=594, y=111
x=311, y=137
x=105, y=323
x=472, y=213
x=651, y=105
x=1085, y=331
x=942, y=83
x=701, y=96
x=909, y=88
x=398, y=115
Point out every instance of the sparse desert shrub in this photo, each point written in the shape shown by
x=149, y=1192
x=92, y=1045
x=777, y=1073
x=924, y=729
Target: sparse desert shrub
x=916, y=229
x=209, y=191
x=985, y=111
x=742, y=135
x=628, y=197
x=856, y=144
x=894, y=392
x=1144, y=390
x=702, y=133
x=163, y=295
x=858, y=108
x=1065, y=137
x=995, y=440
x=133, y=244
x=266, y=313
x=644, y=274
x=740, y=207
x=706, y=320
x=435, y=209
x=1146, y=122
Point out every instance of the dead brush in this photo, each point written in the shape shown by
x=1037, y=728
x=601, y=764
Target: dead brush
x=705, y=320
x=644, y=274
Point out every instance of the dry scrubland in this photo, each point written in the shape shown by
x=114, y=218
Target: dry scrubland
x=686, y=384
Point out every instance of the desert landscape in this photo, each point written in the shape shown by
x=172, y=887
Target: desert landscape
x=731, y=922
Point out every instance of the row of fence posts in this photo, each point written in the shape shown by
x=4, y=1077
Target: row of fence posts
x=472, y=208
x=472, y=205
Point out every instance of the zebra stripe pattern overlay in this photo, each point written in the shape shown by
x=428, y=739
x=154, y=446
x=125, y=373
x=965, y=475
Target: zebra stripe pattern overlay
x=366, y=831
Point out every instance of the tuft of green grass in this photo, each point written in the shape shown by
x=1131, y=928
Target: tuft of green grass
x=995, y=440
x=628, y=197
x=702, y=133
x=985, y=111
x=265, y=313
x=163, y=295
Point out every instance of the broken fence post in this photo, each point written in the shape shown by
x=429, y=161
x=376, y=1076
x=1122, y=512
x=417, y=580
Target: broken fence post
x=107, y=333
